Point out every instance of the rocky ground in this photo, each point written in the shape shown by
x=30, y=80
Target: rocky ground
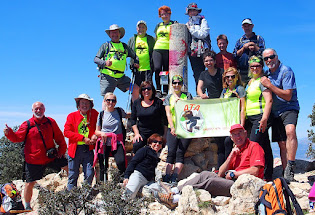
x=201, y=155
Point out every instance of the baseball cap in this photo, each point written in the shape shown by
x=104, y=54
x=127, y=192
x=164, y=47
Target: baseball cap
x=247, y=21
x=141, y=22
x=236, y=126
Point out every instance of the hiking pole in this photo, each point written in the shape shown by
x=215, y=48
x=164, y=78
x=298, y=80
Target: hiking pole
x=134, y=70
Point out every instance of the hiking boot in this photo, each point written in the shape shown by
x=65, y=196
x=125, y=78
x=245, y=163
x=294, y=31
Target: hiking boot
x=289, y=173
x=174, y=180
x=165, y=199
x=166, y=178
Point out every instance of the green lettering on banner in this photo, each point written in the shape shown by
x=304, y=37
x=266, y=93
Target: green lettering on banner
x=206, y=117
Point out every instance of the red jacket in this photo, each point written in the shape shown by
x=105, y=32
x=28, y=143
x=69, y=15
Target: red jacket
x=71, y=129
x=34, y=150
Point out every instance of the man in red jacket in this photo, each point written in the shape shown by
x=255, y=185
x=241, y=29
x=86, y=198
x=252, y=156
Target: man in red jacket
x=39, y=134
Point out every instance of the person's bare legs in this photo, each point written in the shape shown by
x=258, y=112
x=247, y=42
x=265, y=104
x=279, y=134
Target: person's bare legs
x=283, y=153
x=28, y=192
x=291, y=146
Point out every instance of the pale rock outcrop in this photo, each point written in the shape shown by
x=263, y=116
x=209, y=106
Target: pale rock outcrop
x=245, y=192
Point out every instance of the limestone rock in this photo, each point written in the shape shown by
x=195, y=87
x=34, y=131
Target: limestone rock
x=221, y=200
x=188, y=202
x=203, y=195
x=245, y=192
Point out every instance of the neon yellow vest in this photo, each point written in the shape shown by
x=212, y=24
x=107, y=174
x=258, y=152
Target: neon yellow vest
x=142, y=51
x=183, y=96
x=117, y=54
x=163, y=36
x=255, y=102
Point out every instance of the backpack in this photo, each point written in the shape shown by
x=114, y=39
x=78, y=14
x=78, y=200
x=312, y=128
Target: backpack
x=122, y=124
x=275, y=198
x=198, y=46
x=10, y=198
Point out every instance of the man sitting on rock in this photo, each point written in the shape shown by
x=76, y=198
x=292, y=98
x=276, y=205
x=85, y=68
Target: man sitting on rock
x=247, y=157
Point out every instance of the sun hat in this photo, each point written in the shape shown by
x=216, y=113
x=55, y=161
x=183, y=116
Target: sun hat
x=84, y=96
x=115, y=27
x=192, y=6
x=236, y=126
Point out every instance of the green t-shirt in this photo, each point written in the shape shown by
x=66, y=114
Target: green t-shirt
x=83, y=129
x=142, y=51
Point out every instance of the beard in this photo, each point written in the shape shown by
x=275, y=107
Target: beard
x=38, y=115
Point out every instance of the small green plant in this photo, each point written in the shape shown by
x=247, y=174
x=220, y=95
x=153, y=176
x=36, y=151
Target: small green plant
x=311, y=136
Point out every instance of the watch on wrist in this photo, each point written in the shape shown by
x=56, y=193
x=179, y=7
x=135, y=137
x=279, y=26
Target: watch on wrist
x=232, y=175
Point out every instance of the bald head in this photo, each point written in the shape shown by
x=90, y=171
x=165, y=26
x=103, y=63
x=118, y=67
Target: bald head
x=38, y=109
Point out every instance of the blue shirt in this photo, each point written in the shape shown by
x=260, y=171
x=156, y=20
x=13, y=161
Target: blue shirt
x=242, y=61
x=283, y=78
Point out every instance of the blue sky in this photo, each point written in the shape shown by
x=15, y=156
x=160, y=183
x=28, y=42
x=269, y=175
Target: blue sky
x=47, y=47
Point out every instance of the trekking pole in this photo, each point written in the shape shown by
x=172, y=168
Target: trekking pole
x=134, y=70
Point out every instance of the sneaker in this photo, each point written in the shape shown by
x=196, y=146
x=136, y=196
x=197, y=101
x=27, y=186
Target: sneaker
x=165, y=199
x=289, y=173
x=28, y=208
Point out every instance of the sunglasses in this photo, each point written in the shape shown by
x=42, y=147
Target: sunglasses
x=230, y=76
x=269, y=57
x=146, y=88
x=177, y=83
x=156, y=141
x=111, y=100
x=256, y=66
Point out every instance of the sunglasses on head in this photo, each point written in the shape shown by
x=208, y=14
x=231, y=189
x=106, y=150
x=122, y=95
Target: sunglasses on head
x=146, y=88
x=111, y=100
x=271, y=57
x=230, y=76
x=157, y=141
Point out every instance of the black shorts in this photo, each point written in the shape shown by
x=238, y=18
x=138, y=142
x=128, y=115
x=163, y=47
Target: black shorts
x=141, y=76
x=35, y=172
x=279, y=123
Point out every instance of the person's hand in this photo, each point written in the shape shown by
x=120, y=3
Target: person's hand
x=125, y=182
x=6, y=129
x=93, y=138
x=109, y=63
x=235, y=151
x=136, y=65
x=247, y=45
x=265, y=81
x=137, y=138
x=204, y=96
x=263, y=125
x=103, y=137
x=87, y=141
x=173, y=131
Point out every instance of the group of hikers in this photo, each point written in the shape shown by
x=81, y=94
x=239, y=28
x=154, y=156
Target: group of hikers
x=267, y=99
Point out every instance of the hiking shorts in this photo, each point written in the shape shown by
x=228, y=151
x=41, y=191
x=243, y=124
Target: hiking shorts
x=35, y=172
x=279, y=123
x=108, y=83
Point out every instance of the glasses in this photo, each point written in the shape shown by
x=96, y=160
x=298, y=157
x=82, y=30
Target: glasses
x=255, y=66
x=156, y=141
x=230, y=76
x=269, y=57
x=111, y=100
x=146, y=88
x=177, y=83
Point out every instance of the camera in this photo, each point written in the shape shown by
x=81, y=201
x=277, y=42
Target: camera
x=52, y=153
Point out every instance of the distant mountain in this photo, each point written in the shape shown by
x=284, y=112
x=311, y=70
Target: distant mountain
x=301, y=152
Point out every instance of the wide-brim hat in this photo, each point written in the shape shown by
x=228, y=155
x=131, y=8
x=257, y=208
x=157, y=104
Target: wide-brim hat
x=116, y=27
x=84, y=96
x=192, y=6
